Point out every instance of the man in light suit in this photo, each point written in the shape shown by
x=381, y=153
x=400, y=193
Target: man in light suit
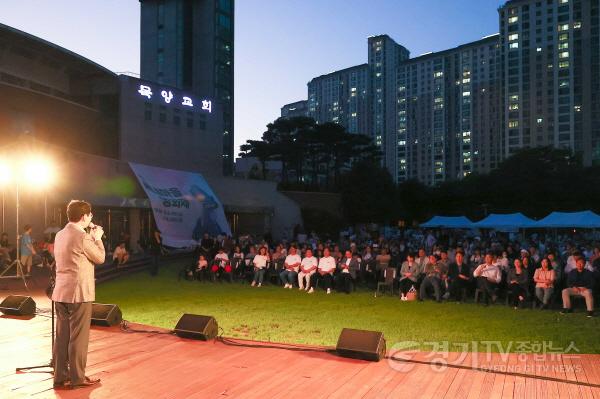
x=76, y=251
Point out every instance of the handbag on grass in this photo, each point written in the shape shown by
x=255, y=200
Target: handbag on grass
x=411, y=295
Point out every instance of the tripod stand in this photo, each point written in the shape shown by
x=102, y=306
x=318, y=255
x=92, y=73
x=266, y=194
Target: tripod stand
x=49, y=291
x=17, y=262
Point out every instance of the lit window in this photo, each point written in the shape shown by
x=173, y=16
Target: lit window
x=515, y=36
x=514, y=97
x=514, y=45
x=513, y=124
x=563, y=37
x=564, y=54
x=540, y=120
x=563, y=46
x=576, y=25
x=513, y=107
x=466, y=93
x=563, y=64
x=539, y=49
x=577, y=108
x=564, y=1
x=467, y=80
x=438, y=74
x=512, y=20
x=563, y=27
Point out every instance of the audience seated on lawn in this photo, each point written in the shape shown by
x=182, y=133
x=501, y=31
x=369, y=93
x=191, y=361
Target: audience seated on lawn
x=353, y=260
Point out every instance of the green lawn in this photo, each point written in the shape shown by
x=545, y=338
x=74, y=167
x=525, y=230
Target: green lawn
x=274, y=314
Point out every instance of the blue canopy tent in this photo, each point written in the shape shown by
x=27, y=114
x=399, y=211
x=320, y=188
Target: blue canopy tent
x=506, y=222
x=450, y=222
x=569, y=220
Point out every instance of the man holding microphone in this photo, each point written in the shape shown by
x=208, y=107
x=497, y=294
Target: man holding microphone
x=76, y=252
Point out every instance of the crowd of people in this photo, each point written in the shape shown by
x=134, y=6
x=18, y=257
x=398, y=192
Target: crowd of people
x=538, y=269
x=41, y=252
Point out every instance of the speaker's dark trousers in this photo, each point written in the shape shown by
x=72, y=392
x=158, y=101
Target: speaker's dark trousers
x=72, y=338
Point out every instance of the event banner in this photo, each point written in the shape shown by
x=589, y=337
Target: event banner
x=183, y=204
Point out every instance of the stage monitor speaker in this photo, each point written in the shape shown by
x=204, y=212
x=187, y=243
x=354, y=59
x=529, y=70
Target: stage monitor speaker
x=361, y=344
x=18, y=305
x=197, y=327
x=106, y=315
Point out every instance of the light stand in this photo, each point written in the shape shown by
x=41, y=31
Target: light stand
x=17, y=262
x=49, y=291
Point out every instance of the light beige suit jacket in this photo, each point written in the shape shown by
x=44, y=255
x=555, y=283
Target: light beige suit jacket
x=76, y=252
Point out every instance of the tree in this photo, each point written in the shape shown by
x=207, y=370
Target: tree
x=369, y=194
x=260, y=150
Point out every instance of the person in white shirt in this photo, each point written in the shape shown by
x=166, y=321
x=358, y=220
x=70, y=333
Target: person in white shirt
x=260, y=265
x=220, y=266
x=324, y=272
x=308, y=267
x=488, y=277
x=290, y=268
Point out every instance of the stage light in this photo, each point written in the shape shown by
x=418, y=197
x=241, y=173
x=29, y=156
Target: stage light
x=38, y=172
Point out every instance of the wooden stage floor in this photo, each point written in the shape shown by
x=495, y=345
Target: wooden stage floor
x=143, y=365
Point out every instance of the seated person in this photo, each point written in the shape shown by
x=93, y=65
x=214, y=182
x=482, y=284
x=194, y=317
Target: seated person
x=201, y=267
x=488, y=277
x=291, y=266
x=348, y=269
x=324, y=272
x=260, y=265
x=237, y=261
x=409, y=275
x=120, y=254
x=435, y=271
x=518, y=283
x=579, y=283
x=544, y=278
x=221, y=266
x=308, y=267
x=458, y=277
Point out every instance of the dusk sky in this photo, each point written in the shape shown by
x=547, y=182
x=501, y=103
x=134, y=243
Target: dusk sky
x=279, y=44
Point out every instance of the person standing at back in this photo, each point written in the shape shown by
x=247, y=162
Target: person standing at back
x=76, y=252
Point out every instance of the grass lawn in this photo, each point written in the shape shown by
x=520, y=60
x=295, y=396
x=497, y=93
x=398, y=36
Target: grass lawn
x=274, y=314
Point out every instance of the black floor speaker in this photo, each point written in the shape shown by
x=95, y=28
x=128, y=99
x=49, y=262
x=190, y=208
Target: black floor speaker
x=197, y=327
x=361, y=344
x=106, y=315
x=18, y=305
